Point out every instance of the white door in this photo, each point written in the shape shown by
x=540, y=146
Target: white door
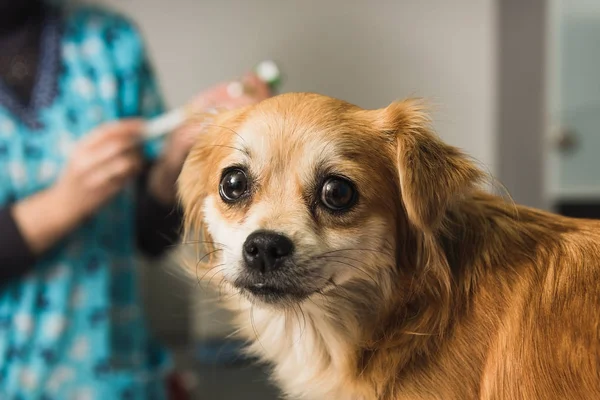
x=576, y=178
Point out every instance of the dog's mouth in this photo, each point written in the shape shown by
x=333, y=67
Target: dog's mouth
x=271, y=293
x=262, y=289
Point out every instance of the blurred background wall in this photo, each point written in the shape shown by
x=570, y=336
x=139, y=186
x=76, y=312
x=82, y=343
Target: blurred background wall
x=365, y=52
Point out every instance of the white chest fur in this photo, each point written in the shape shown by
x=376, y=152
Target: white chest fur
x=309, y=352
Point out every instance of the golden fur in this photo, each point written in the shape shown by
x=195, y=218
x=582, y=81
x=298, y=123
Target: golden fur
x=429, y=288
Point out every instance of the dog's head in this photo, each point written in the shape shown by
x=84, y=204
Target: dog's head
x=303, y=194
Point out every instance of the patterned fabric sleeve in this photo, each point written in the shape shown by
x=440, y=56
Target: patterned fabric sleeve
x=16, y=258
x=157, y=225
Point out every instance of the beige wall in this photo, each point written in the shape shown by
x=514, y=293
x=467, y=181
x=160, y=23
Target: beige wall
x=366, y=52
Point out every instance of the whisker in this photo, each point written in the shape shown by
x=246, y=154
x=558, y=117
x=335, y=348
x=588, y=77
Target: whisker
x=208, y=254
x=326, y=256
x=223, y=282
x=214, y=301
x=203, y=242
x=302, y=327
x=227, y=147
x=418, y=333
x=200, y=262
x=341, y=294
x=229, y=129
x=233, y=334
x=209, y=270
x=254, y=327
x=354, y=267
x=353, y=249
x=216, y=272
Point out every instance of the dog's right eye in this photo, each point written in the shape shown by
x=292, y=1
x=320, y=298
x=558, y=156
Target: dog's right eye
x=338, y=194
x=234, y=185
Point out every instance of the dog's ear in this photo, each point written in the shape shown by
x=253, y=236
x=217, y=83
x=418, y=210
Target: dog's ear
x=197, y=180
x=192, y=191
x=432, y=174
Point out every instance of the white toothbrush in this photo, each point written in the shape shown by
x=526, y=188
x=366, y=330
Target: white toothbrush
x=267, y=71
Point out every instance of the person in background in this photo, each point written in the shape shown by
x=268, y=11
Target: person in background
x=79, y=197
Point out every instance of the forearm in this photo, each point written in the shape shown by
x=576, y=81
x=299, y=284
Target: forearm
x=29, y=228
x=43, y=219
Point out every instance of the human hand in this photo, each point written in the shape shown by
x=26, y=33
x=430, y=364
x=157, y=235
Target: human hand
x=100, y=166
x=221, y=95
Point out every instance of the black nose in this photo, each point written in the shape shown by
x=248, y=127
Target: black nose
x=264, y=251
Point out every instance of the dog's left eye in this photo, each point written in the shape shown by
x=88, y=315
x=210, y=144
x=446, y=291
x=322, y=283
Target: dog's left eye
x=338, y=194
x=234, y=185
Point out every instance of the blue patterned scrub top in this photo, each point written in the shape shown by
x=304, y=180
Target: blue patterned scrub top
x=73, y=328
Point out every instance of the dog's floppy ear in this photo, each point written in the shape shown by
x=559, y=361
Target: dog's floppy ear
x=432, y=174
x=192, y=190
x=196, y=180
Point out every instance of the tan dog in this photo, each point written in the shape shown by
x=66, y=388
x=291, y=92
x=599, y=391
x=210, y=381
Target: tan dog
x=365, y=262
